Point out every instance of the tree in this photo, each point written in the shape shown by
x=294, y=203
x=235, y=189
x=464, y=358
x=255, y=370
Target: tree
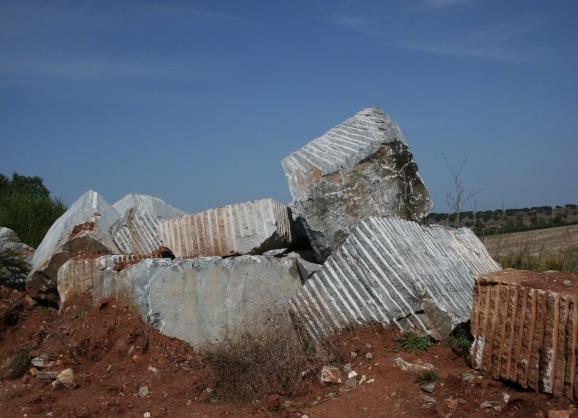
x=27, y=207
x=459, y=197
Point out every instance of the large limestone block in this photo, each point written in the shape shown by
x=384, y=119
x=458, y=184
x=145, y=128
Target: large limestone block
x=10, y=242
x=197, y=300
x=392, y=271
x=137, y=231
x=525, y=328
x=242, y=228
x=83, y=228
x=360, y=168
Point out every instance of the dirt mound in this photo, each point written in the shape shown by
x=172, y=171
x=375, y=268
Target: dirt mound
x=122, y=367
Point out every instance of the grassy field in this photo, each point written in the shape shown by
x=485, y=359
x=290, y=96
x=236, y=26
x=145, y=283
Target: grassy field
x=543, y=249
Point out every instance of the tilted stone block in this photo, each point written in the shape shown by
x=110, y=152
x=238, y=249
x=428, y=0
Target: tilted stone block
x=242, y=228
x=83, y=228
x=392, y=271
x=362, y=167
x=197, y=300
x=137, y=231
x=525, y=328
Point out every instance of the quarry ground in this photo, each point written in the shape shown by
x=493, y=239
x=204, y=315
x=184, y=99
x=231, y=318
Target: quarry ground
x=114, y=355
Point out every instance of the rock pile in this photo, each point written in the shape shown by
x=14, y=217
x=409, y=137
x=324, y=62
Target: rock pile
x=357, y=195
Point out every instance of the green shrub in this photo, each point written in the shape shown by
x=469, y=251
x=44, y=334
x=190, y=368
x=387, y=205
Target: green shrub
x=413, y=342
x=27, y=207
x=427, y=377
x=460, y=341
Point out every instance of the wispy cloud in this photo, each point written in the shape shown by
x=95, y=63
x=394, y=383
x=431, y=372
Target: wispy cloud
x=501, y=42
x=496, y=43
x=442, y=4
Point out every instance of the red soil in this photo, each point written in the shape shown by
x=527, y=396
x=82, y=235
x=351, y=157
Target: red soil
x=113, y=353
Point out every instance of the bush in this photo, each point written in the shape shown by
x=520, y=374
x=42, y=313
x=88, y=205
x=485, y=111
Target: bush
x=263, y=357
x=27, y=207
x=460, y=341
x=413, y=342
x=427, y=377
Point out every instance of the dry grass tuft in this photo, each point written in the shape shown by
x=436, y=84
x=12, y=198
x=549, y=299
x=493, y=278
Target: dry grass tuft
x=263, y=357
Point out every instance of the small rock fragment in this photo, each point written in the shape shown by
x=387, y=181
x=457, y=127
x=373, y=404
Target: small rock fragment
x=428, y=387
x=369, y=356
x=351, y=383
x=353, y=354
x=143, y=391
x=65, y=378
x=330, y=374
x=485, y=405
x=567, y=283
x=468, y=377
x=147, y=415
x=452, y=404
x=560, y=413
x=363, y=379
x=417, y=367
x=352, y=374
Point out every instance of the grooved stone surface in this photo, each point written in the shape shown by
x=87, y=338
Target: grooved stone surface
x=242, y=228
x=525, y=328
x=84, y=227
x=392, y=271
x=137, y=231
x=196, y=300
x=362, y=167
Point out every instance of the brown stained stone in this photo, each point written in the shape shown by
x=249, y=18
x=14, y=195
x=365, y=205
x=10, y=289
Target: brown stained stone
x=525, y=326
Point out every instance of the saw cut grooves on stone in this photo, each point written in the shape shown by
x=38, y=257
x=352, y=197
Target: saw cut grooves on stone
x=137, y=230
x=525, y=330
x=385, y=271
x=242, y=228
x=361, y=168
x=339, y=148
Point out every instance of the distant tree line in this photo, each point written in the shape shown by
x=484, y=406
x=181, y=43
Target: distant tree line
x=27, y=207
x=511, y=220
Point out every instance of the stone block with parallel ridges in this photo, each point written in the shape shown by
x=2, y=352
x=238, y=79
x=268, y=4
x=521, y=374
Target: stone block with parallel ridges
x=242, y=228
x=392, y=271
x=362, y=167
x=525, y=328
x=136, y=232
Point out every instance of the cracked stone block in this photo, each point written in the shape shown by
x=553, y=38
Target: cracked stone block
x=196, y=300
x=137, y=231
x=9, y=241
x=243, y=228
x=83, y=229
x=362, y=167
x=525, y=328
x=394, y=272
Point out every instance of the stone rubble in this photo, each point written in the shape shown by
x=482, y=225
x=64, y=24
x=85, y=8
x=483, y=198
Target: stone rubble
x=10, y=242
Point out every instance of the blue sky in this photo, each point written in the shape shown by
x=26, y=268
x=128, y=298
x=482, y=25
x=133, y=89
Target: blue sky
x=198, y=101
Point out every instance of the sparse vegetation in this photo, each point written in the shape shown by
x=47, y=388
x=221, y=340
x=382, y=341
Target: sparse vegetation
x=19, y=364
x=27, y=207
x=261, y=358
x=413, y=342
x=429, y=376
x=460, y=341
